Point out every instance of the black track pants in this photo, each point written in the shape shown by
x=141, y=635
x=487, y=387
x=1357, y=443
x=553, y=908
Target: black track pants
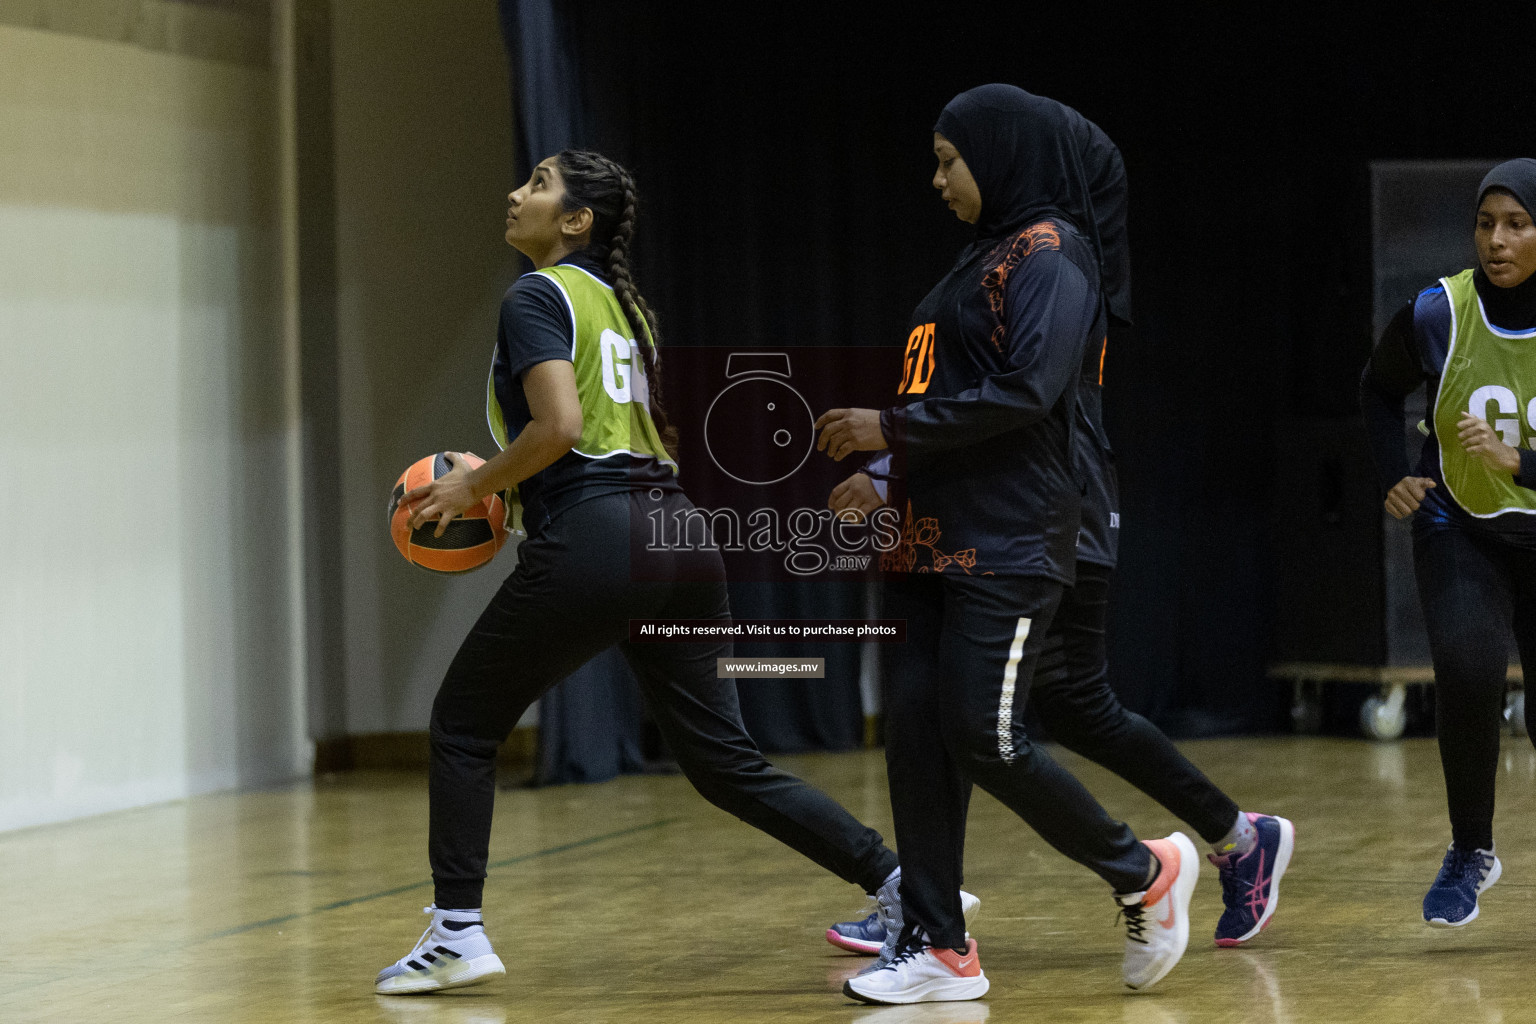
x=956, y=689
x=571, y=596
x=1072, y=696
x=1475, y=592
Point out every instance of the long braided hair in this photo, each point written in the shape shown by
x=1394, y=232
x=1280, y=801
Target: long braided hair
x=607, y=189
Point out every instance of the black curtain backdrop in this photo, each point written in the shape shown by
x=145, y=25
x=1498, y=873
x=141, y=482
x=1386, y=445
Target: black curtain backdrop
x=783, y=153
x=590, y=726
x=565, y=94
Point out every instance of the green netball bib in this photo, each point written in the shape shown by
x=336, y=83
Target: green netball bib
x=1491, y=374
x=610, y=380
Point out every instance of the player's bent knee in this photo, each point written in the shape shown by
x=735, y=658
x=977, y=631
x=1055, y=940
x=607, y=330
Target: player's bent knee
x=721, y=782
x=1089, y=727
x=443, y=740
x=982, y=746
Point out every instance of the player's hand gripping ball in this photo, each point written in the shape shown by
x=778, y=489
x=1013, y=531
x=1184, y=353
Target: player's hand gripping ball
x=468, y=542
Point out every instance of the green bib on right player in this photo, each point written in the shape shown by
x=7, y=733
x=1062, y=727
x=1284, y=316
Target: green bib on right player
x=610, y=380
x=1491, y=374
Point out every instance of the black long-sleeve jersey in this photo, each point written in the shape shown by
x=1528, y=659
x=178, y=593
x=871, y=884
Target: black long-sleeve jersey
x=986, y=475
x=1098, y=539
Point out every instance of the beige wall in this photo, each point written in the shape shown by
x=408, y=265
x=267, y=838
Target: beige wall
x=151, y=618
x=146, y=646
x=423, y=166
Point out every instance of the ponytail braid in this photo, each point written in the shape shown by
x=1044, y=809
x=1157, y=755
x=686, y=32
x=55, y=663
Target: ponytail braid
x=607, y=189
x=636, y=310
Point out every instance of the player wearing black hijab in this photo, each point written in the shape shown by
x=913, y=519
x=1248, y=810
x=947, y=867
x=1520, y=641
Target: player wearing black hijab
x=983, y=443
x=1071, y=689
x=1468, y=341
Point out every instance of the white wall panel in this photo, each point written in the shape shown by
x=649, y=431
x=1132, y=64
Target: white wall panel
x=146, y=650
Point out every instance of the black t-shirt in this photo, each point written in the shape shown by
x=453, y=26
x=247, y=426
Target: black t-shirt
x=986, y=475
x=536, y=326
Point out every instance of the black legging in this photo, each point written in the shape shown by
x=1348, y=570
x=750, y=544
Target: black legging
x=1080, y=711
x=1475, y=591
x=576, y=586
x=957, y=693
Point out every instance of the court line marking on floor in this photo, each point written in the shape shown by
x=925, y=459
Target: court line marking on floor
x=397, y=890
x=17, y=989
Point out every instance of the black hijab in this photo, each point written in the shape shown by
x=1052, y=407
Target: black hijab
x=1510, y=308
x=1032, y=158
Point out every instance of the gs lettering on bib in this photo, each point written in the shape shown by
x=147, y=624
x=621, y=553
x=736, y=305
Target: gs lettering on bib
x=1491, y=374
x=610, y=379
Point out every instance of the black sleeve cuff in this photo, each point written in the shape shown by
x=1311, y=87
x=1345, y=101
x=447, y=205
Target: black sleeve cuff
x=892, y=425
x=1527, y=475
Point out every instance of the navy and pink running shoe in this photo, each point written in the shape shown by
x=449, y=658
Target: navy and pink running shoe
x=865, y=935
x=1250, y=884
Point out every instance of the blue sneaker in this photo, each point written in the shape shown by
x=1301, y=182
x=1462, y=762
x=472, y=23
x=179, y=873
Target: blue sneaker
x=1250, y=884
x=1452, y=901
x=865, y=935
x=875, y=934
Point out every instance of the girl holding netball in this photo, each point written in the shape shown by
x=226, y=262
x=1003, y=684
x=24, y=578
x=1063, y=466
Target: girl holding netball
x=1468, y=340
x=991, y=496
x=575, y=403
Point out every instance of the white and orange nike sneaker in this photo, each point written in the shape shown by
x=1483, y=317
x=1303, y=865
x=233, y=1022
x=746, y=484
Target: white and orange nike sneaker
x=1157, y=920
x=878, y=932
x=920, y=973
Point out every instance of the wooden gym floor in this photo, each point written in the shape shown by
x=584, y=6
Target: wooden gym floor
x=635, y=901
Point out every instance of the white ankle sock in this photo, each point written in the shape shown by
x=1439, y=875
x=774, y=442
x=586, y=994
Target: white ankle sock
x=1239, y=840
x=456, y=922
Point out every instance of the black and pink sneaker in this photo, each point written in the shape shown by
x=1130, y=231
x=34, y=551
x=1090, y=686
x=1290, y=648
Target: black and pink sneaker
x=1250, y=884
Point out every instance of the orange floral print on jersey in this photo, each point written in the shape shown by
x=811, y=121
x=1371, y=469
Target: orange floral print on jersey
x=924, y=533
x=1034, y=238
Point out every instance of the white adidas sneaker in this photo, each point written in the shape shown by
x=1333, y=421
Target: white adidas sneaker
x=923, y=974
x=444, y=957
x=1157, y=920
